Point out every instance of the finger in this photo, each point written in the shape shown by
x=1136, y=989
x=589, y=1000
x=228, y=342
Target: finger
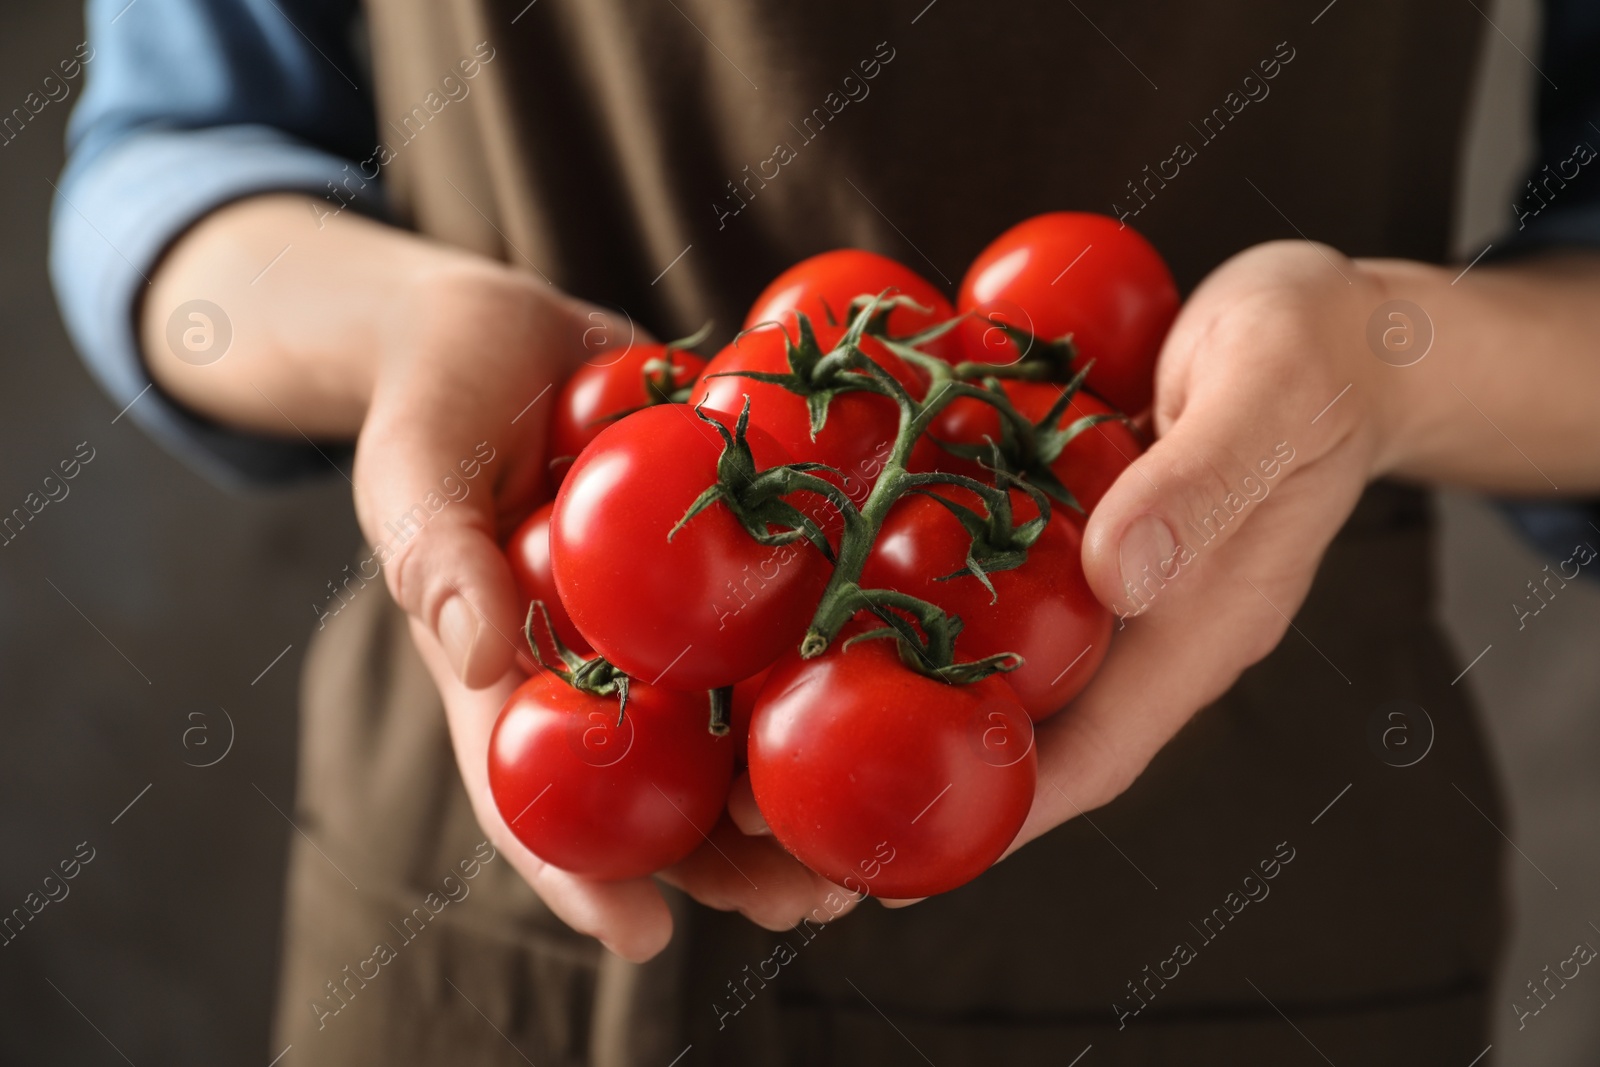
x=757, y=878
x=630, y=918
x=1194, y=490
x=426, y=501
x=743, y=810
x=1167, y=664
x=452, y=454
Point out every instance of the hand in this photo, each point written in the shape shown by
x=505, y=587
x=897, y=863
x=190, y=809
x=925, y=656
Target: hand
x=469, y=373
x=1207, y=545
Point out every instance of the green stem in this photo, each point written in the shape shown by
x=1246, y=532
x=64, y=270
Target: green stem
x=843, y=596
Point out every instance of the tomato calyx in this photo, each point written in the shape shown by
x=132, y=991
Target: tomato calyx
x=1042, y=359
x=755, y=497
x=660, y=377
x=595, y=675
x=999, y=543
x=816, y=375
x=929, y=646
x=661, y=374
x=1030, y=449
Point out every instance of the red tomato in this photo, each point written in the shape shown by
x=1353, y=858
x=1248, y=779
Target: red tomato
x=886, y=781
x=1088, y=465
x=823, y=286
x=600, y=391
x=1042, y=610
x=1116, y=301
x=529, y=553
x=603, y=800
x=860, y=430
x=705, y=609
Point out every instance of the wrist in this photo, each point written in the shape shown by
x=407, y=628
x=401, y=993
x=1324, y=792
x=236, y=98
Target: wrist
x=454, y=306
x=1406, y=303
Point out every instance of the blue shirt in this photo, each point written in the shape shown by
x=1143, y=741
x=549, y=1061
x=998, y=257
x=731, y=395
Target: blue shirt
x=190, y=104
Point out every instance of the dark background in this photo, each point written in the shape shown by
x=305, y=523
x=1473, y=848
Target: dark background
x=167, y=941
x=181, y=595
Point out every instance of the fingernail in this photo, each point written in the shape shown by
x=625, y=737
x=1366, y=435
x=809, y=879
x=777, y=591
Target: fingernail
x=1146, y=547
x=458, y=632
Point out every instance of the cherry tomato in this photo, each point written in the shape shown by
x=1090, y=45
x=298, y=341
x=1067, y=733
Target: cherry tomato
x=1079, y=273
x=860, y=430
x=1089, y=464
x=705, y=609
x=1042, y=610
x=529, y=554
x=600, y=799
x=886, y=781
x=599, y=392
x=823, y=286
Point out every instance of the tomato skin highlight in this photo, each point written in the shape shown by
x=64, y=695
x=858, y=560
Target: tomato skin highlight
x=860, y=430
x=609, y=813
x=824, y=284
x=854, y=758
x=706, y=609
x=1117, y=301
x=1089, y=465
x=598, y=392
x=1043, y=610
x=528, y=551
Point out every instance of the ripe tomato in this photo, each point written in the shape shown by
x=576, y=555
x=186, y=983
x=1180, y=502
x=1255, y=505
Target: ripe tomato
x=860, y=430
x=705, y=609
x=1042, y=610
x=1088, y=465
x=529, y=554
x=604, y=800
x=598, y=393
x=823, y=285
x=1116, y=301
x=886, y=781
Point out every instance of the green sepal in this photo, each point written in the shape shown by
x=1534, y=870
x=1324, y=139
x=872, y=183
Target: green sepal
x=754, y=497
x=596, y=676
x=916, y=654
x=999, y=543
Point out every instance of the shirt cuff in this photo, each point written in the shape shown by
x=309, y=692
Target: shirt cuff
x=111, y=222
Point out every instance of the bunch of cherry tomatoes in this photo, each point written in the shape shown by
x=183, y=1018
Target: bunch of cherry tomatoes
x=844, y=555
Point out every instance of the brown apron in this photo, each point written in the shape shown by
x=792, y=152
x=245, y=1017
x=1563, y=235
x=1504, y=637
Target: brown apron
x=667, y=158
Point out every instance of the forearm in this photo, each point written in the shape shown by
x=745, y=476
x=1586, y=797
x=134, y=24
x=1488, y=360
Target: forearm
x=1508, y=397
x=312, y=311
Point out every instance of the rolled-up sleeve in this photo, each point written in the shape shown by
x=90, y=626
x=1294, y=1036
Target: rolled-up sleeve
x=187, y=106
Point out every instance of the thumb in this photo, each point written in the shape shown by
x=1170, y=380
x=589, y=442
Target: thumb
x=444, y=567
x=1192, y=492
x=426, y=502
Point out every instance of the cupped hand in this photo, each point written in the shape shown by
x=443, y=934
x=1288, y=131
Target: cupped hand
x=450, y=457
x=1269, y=422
